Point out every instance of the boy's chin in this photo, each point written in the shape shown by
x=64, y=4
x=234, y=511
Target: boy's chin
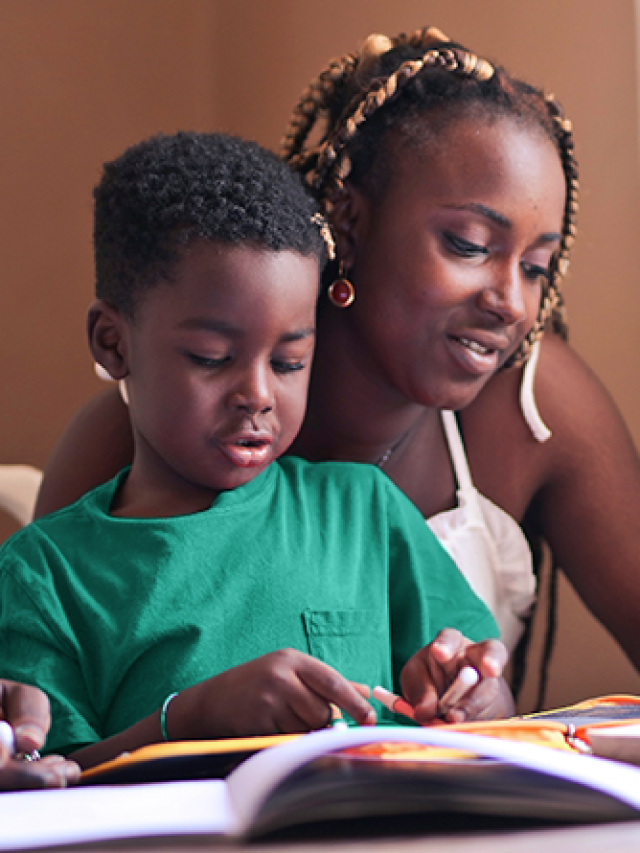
x=239, y=477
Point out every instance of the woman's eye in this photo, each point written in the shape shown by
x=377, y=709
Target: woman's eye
x=208, y=363
x=287, y=366
x=464, y=248
x=534, y=272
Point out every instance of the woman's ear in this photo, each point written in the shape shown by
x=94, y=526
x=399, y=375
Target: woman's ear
x=348, y=217
x=106, y=329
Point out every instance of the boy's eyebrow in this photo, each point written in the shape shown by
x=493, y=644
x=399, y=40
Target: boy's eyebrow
x=502, y=220
x=299, y=334
x=209, y=324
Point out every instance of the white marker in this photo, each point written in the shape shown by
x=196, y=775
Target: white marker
x=7, y=738
x=467, y=678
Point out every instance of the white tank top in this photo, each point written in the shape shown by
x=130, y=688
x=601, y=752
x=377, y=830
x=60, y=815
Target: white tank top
x=486, y=543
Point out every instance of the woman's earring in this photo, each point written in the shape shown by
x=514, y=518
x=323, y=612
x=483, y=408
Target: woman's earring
x=342, y=293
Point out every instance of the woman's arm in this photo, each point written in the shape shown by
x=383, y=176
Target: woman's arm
x=587, y=507
x=95, y=445
x=580, y=490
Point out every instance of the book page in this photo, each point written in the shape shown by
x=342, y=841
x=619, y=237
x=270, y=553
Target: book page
x=71, y=815
x=253, y=781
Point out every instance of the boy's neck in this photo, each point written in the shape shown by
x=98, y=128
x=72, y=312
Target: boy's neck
x=136, y=499
x=154, y=490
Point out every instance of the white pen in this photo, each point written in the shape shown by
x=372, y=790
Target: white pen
x=7, y=738
x=467, y=678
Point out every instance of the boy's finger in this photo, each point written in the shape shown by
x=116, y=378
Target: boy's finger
x=489, y=657
x=421, y=682
x=477, y=704
x=447, y=647
x=328, y=684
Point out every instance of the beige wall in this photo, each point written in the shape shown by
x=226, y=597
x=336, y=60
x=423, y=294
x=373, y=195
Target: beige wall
x=79, y=81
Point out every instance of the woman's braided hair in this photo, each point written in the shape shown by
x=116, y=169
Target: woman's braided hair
x=389, y=86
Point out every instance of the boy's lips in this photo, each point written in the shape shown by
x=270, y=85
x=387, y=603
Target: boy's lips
x=247, y=450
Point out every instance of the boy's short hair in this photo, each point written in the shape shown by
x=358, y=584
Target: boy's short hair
x=167, y=191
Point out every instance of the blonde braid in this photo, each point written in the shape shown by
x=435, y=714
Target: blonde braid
x=313, y=101
x=552, y=310
x=333, y=164
x=318, y=95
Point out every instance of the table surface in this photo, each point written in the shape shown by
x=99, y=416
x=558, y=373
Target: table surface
x=621, y=837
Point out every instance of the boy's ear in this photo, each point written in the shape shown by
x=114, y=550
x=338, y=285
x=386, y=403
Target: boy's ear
x=106, y=329
x=349, y=216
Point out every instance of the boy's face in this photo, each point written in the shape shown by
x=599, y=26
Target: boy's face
x=218, y=367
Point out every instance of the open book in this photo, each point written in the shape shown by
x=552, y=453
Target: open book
x=340, y=776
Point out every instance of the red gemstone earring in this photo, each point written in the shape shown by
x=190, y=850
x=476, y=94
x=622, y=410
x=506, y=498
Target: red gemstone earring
x=341, y=292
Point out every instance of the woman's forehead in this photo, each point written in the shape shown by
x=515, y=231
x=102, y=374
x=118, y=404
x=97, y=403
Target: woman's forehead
x=504, y=163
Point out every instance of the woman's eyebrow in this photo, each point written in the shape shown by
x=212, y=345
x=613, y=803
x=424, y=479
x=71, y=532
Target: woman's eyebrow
x=502, y=220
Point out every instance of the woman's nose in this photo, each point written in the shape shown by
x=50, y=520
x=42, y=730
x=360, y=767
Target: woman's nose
x=505, y=297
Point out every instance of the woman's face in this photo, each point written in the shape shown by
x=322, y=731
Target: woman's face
x=448, y=262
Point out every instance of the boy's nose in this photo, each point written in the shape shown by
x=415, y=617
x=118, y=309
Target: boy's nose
x=254, y=393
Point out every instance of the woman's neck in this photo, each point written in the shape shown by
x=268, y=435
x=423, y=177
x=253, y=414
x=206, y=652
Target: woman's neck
x=353, y=412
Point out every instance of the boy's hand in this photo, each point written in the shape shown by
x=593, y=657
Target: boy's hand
x=432, y=670
x=26, y=709
x=281, y=692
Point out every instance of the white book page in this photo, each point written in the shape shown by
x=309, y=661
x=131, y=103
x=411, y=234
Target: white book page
x=251, y=783
x=66, y=816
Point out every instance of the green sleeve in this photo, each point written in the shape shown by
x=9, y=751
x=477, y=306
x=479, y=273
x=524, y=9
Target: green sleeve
x=427, y=591
x=38, y=646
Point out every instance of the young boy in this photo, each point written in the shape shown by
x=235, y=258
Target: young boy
x=210, y=590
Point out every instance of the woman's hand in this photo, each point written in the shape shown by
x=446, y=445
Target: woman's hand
x=431, y=671
x=26, y=709
x=281, y=692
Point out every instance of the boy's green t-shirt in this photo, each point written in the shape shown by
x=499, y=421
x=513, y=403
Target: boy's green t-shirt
x=110, y=615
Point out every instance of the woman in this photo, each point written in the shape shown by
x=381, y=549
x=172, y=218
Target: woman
x=451, y=190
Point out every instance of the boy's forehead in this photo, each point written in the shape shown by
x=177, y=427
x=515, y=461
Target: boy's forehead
x=210, y=276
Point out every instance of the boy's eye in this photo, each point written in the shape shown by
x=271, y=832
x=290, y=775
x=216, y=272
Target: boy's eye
x=287, y=366
x=209, y=363
x=464, y=248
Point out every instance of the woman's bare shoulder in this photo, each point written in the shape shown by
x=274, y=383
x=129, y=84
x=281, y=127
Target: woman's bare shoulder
x=508, y=464
x=96, y=444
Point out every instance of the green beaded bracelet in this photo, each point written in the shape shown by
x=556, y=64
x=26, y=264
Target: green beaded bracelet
x=163, y=715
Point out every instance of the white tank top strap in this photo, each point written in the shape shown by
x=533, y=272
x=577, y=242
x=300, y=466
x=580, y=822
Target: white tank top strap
x=488, y=545
x=530, y=413
x=457, y=452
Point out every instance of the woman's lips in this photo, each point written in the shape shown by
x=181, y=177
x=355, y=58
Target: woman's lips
x=473, y=355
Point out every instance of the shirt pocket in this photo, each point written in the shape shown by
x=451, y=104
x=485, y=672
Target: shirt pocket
x=354, y=642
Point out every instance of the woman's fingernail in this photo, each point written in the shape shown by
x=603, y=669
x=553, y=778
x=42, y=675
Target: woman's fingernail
x=28, y=732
